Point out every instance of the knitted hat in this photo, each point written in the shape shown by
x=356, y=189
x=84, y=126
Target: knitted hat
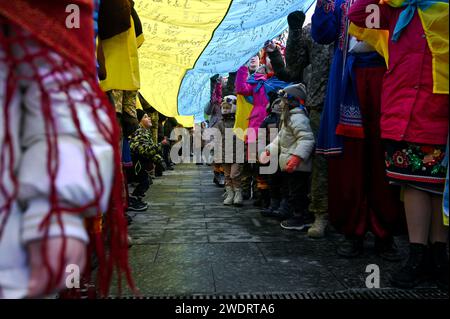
x=140, y=114
x=229, y=104
x=296, y=90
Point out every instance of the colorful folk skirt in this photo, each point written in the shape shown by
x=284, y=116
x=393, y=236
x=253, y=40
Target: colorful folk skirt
x=415, y=165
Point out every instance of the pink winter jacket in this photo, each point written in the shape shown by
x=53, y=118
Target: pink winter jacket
x=260, y=100
x=410, y=111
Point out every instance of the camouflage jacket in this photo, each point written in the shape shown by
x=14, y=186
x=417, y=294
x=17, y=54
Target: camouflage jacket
x=143, y=147
x=307, y=62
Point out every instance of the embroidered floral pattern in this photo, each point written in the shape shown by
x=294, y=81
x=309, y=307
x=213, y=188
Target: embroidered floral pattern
x=417, y=158
x=400, y=159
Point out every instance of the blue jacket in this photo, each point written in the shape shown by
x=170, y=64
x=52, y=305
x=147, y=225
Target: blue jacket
x=328, y=26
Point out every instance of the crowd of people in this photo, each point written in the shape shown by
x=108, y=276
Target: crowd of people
x=361, y=140
x=361, y=143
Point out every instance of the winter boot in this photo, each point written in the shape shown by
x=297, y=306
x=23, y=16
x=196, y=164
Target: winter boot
x=237, y=201
x=415, y=270
x=229, y=196
x=439, y=264
x=221, y=180
x=317, y=230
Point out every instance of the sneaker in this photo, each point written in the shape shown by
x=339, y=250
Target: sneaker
x=136, y=205
x=282, y=213
x=295, y=223
x=387, y=249
x=416, y=269
x=350, y=247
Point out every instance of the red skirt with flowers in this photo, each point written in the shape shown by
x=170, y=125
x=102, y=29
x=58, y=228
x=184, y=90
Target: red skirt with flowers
x=416, y=165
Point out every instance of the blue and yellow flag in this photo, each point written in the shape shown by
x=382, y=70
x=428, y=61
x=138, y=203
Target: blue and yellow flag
x=189, y=41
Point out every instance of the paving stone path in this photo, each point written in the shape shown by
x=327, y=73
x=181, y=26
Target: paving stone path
x=188, y=243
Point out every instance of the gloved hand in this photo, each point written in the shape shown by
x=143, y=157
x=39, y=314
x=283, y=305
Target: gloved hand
x=264, y=158
x=293, y=162
x=296, y=20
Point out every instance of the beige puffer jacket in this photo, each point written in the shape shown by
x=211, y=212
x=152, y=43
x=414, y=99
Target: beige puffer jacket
x=294, y=138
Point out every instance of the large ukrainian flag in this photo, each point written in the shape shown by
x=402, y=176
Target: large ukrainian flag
x=188, y=41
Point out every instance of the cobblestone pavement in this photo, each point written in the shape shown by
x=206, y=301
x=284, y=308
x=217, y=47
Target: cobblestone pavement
x=188, y=243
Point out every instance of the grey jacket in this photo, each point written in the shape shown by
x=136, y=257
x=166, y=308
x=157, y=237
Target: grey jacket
x=294, y=138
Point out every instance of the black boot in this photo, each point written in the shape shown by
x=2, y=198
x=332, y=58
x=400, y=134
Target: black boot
x=415, y=270
x=439, y=264
x=387, y=249
x=351, y=247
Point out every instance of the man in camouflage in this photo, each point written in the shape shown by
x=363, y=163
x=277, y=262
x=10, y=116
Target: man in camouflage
x=308, y=62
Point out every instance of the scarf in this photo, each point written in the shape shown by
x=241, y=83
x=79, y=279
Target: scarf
x=434, y=17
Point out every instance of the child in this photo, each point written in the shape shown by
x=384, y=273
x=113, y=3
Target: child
x=295, y=144
x=233, y=170
x=272, y=121
x=145, y=153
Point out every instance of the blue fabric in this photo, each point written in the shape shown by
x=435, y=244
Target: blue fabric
x=328, y=26
x=272, y=84
x=249, y=99
x=126, y=153
x=350, y=113
x=242, y=33
x=96, y=9
x=445, y=199
x=326, y=29
x=408, y=13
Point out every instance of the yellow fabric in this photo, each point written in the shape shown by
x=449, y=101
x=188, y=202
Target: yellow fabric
x=445, y=220
x=186, y=121
x=122, y=62
x=435, y=24
x=243, y=110
x=177, y=33
x=379, y=39
x=139, y=105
